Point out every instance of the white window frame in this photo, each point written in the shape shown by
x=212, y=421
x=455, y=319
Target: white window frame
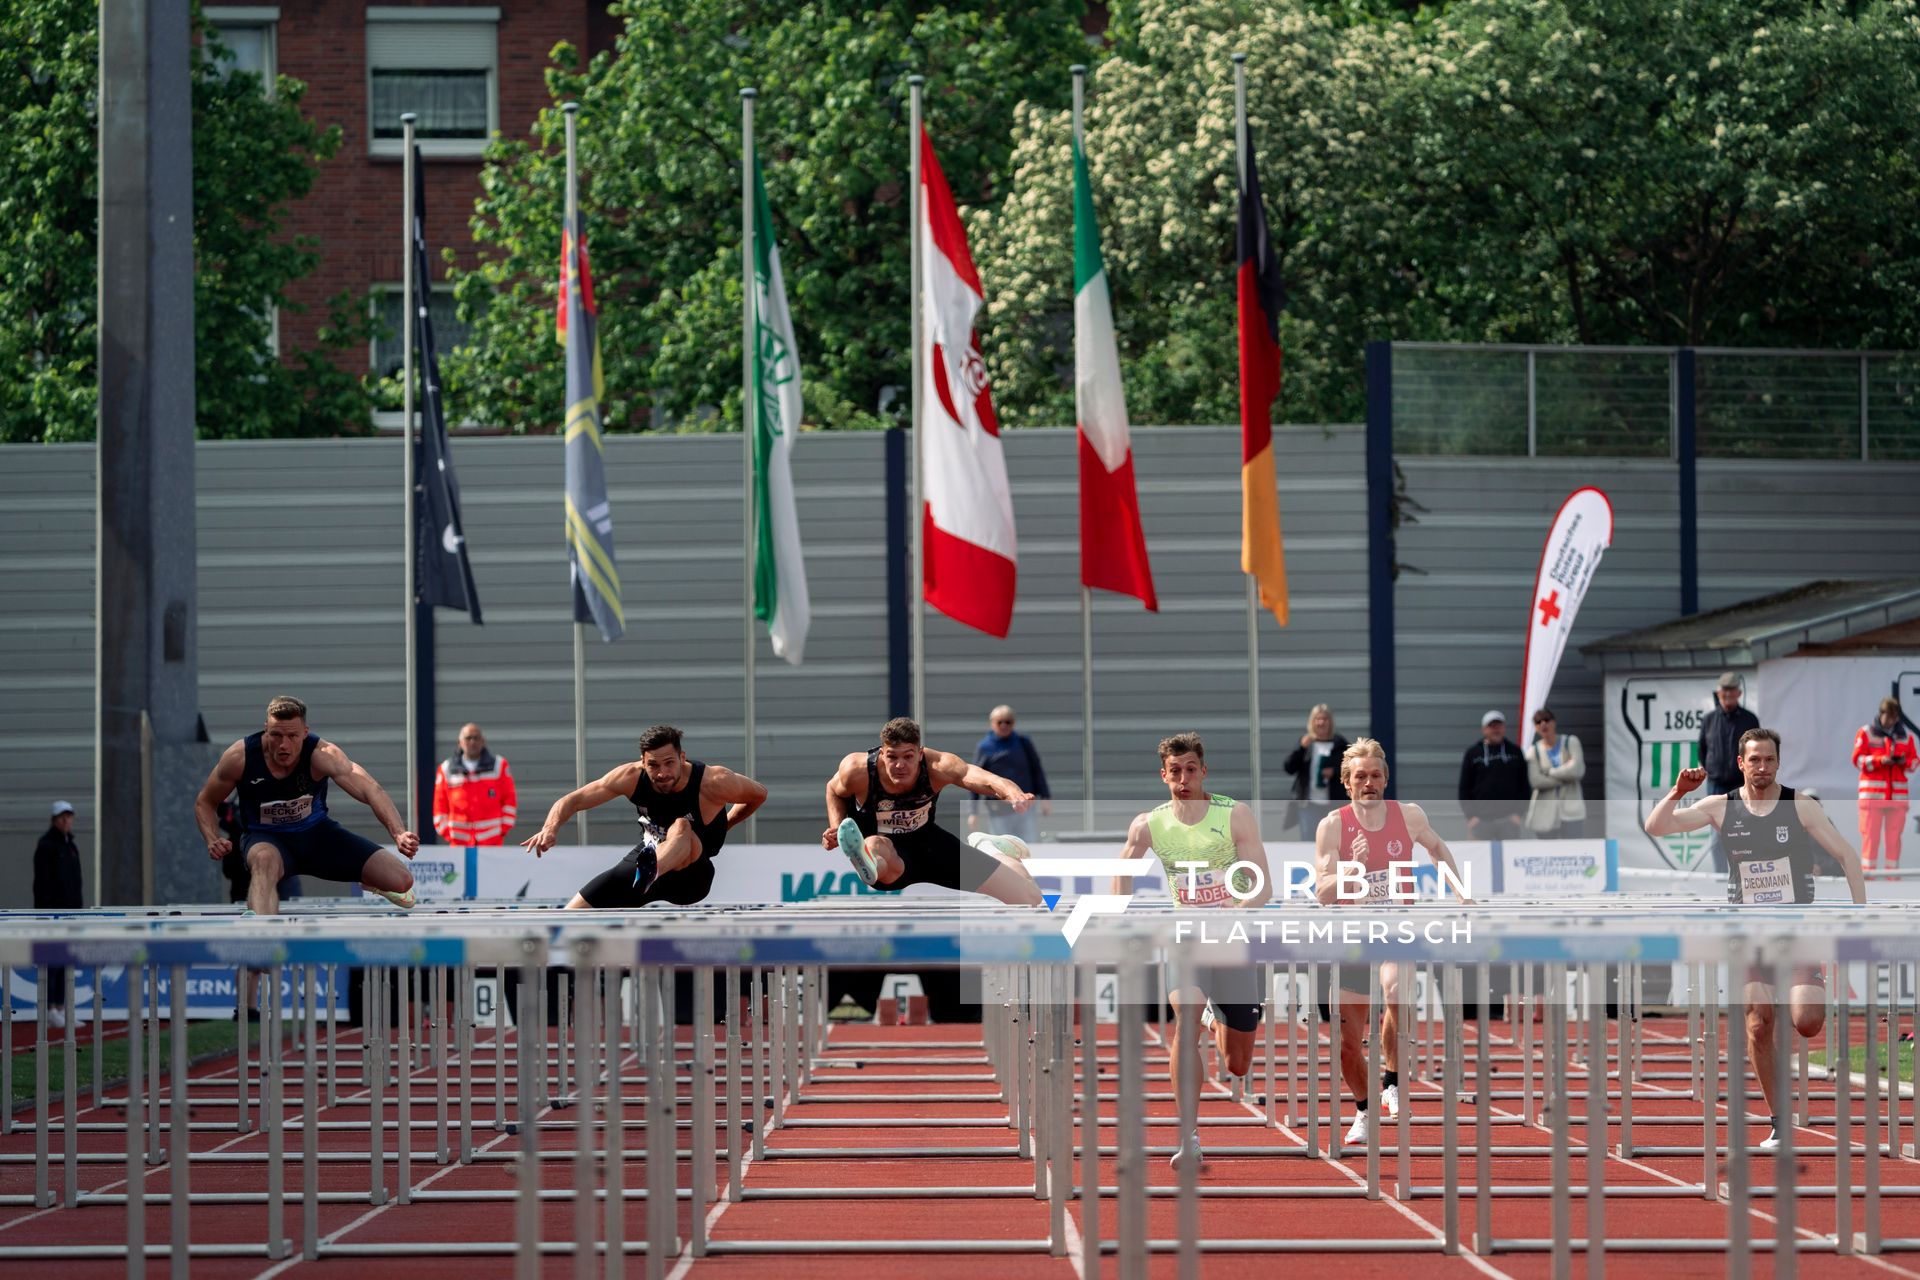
x=263, y=17
x=430, y=148
x=392, y=418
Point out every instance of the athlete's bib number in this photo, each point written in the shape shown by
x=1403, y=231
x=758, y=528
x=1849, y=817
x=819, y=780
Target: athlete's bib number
x=1378, y=884
x=1766, y=880
x=900, y=821
x=282, y=813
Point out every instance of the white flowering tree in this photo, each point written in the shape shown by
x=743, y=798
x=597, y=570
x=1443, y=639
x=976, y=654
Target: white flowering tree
x=1648, y=171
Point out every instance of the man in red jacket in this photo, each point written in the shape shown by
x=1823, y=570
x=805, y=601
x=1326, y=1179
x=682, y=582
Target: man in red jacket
x=473, y=797
x=1885, y=753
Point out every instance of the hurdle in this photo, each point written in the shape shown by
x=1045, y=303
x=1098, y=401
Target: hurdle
x=618, y=1064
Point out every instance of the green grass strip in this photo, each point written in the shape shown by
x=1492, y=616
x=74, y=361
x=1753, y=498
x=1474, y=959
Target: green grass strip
x=203, y=1039
x=1859, y=1060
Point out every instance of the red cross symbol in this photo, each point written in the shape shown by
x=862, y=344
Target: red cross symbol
x=1549, y=607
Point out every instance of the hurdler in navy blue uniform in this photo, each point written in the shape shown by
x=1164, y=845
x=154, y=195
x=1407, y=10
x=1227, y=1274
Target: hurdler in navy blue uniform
x=684, y=808
x=279, y=777
x=1769, y=833
x=880, y=807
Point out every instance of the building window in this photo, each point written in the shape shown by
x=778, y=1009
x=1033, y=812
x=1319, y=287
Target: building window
x=442, y=64
x=247, y=32
x=389, y=352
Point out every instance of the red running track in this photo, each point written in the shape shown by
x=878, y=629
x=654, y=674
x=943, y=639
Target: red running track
x=833, y=1112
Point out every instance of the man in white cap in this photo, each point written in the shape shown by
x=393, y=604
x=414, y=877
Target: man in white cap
x=1494, y=788
x=57, y=887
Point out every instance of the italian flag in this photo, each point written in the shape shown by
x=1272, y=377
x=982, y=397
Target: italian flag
x=779, y=572
x=1113, y=543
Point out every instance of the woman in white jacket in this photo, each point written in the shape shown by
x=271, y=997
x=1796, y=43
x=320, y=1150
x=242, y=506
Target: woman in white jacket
x=1555, y=765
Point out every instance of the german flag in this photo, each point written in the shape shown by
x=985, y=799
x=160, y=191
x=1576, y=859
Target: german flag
x=1262, y=294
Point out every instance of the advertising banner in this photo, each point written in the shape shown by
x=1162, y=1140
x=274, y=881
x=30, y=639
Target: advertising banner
x=1579, y=535
x=1653, y=732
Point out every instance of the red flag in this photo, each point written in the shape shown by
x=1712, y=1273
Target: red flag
x=1263, y=293
x=970, y=553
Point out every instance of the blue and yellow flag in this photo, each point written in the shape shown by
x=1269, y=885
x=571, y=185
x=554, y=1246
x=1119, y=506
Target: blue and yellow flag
x=596, y=578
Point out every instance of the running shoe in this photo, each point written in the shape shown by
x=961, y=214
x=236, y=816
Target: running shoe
x=1189, y=1150
x=1390, y=1102
x=1772, y=1141
x=854, y=845
x=405, y=901
x=1010, y=846
x=1357, y=1131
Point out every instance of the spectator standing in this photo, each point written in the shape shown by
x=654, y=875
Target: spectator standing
x=1555, y=765
x=1720, y=748
x=57, y=887
x=1884, y=752
x=1011, y=756
x=1494, y=790
x=1315, y=767
x=473, y=796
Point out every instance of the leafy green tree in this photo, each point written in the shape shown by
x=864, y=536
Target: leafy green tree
x=1647, y=172
x=659, y=148
x=252, y=156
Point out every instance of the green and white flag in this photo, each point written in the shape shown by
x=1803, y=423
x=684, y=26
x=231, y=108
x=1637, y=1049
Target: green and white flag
x=779, y=572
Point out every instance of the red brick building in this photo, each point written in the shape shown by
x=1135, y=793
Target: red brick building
x=468, y=71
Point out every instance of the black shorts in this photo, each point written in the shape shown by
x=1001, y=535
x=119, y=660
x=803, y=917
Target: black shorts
x=1355, y=978
x=1234, y=993
x=614, y=888
x=934, y=855
x=326, y=850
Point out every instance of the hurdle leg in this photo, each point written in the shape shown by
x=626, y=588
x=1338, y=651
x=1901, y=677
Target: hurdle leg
x=1839, y=1038
x=1739, y=1235
x=93, y=1037
x=1376, y=1002
x=1450, y=1082
x=735, y=1033
x=1708, y=989
x=527, y=1204
x=6, y=1045
x=154, y=1153
x=1403, y=1172
x=42, y=1192
x=1526, y=1044
x=463, y=1020
x=1187, y=1109
x=500, y=980
x=1596, y=1131
x=70, y=1083
x=373, y=1031
x=405, y=1026
x=1555, y=1087
x=273, y=1072
x=1786, y=1201
x=703, y=1108
x=1129, y=1132
x=1313, y=1067
x=662, y=1180
x=310, y=1130
x=136, y=1176
x=333, y=1035
x=1029, y=979
x=1629, y=1058
x=1870, y=1119
x=584, y=1234
x=614, y=1215
x=437, y=979
x=759, y=993
x=1483, y=1128
x=180, y=1232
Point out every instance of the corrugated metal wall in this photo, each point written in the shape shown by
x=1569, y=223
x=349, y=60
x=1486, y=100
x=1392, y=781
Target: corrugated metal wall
x=300, y=592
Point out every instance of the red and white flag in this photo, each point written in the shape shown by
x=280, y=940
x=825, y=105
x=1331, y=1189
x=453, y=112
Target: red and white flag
x=968, y=522
x=1580, y=535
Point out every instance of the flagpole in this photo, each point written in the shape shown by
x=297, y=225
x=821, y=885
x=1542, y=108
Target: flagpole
x=1086, y=593
x=916, y=515
x=406, y=449
x=1253, y=591
x=749, y=415
x=571, y=110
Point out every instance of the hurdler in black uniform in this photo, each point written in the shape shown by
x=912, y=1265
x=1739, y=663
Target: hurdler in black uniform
x=1770, y=862
x=631, y=882
x=932, y=854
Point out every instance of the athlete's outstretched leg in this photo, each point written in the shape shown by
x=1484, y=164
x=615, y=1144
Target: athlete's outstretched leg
x=885, y=858
x=263, y=889
x=680, y=848
x=1011, y=884
x=387, y=872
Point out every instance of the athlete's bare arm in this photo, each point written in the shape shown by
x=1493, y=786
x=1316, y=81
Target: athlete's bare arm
x=219, y=785
x=946, y=769
x=845, y=789
x=1814, y=818
x=1326, y=859
x=616, y=784
x=1247, y=848
x=1421, y=831
x=1668, y=819
x=741, y=794
x=1139, y=845
x=329, y=761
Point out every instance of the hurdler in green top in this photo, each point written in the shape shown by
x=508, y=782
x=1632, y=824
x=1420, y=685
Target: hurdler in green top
x=1209, y=840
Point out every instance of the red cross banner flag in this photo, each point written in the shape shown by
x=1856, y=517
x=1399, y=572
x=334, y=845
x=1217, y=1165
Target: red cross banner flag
x=1580, y=535
x=970, y=553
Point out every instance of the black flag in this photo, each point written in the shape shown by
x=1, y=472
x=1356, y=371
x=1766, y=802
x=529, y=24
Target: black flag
x=443, y=575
